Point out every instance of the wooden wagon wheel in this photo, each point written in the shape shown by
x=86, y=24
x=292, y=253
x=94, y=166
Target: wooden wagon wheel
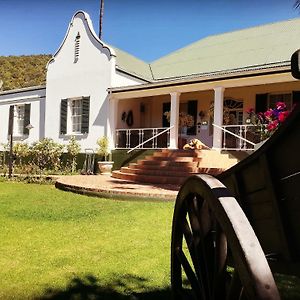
x=211, y=232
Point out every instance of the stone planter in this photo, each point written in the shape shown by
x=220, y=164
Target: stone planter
x=105, y=167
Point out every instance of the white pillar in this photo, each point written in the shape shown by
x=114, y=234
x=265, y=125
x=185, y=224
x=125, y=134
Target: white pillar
x=112, y=122
x=174, y=115
x=218, y=117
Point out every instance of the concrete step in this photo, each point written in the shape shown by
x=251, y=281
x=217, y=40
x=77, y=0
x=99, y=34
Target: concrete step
x=164, y=163
x=171, y=158
x=171, y=173
x=171, y=168
x=174, y=166
x=156, y=172
x=177, y=153
x=148, y=178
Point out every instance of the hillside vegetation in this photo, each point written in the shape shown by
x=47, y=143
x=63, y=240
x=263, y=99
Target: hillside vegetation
x=23, y=71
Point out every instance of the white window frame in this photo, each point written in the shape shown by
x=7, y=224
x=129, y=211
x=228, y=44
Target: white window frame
x=73, y=115
x=19, y=119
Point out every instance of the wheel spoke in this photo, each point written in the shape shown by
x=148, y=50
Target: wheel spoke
x=190, y=274
x=219, y=278
x=235, y=288
x=202, y=242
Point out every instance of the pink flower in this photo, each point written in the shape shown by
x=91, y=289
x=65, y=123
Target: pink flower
x=282, y=116
x=250, y=111
x=272, y=125
x=280, y=105
x=269, y=113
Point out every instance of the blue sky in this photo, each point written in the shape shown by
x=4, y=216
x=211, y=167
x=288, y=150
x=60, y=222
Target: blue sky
x=146, y=29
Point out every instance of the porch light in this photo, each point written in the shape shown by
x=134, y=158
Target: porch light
x=248, y=121
x=204, y=123
x=29, y=126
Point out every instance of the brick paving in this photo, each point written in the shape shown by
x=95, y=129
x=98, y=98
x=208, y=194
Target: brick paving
x=108, y=187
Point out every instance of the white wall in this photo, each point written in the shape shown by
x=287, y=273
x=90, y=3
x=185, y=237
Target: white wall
x=36, y=97
x=89, y=76
x=122, y=79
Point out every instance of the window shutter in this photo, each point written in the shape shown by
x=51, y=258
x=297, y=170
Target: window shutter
x=261, y=104
x=85, y=115
x=11, y=119
x=192, y=110
x=26, y=119
x=63, y=116
x=296, y=97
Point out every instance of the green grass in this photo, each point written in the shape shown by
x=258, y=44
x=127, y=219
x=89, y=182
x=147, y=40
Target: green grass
x=59, y=245
x=56, y=244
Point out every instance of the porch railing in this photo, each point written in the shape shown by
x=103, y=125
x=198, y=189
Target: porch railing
x=143, y=138
x=240, y=137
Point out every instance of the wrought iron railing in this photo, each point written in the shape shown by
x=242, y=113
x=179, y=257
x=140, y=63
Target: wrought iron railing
x=143, y=138
x=240, y=137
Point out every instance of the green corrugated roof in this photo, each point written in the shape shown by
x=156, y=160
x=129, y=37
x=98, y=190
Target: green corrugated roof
x=133, y=65
x=256, y=46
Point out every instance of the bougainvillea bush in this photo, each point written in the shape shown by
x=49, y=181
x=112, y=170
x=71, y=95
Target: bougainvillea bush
x=270, y=120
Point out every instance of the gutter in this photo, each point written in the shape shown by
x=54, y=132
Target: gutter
x=23, y=90
x=255, y=71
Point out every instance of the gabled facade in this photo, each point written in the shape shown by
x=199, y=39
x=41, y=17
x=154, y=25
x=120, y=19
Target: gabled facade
x=94, y=89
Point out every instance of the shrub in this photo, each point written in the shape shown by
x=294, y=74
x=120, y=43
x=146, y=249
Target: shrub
x=103, y=149
x=21, y=152
x=46, y=154
x=73, y=149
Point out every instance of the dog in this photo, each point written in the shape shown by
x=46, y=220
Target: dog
x=195, y=144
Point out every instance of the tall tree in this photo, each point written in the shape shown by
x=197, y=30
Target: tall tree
x=101, y=18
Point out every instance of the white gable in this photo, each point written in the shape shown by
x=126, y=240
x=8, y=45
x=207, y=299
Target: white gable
x=82, y=67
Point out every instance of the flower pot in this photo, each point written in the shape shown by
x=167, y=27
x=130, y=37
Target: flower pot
x=105, y=167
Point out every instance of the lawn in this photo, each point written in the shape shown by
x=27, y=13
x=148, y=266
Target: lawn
x=59, y=245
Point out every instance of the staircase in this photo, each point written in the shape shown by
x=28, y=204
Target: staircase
x=174, y=166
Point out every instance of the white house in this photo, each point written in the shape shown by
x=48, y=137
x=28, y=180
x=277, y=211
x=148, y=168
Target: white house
x=27, y=107
x=94, y=89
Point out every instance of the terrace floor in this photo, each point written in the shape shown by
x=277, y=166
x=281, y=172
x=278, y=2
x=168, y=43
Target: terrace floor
x=108, y=187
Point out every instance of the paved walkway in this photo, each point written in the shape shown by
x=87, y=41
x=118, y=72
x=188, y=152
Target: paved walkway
x=108, y=187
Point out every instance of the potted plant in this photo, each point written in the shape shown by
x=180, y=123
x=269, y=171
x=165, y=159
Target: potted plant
x=105, y=165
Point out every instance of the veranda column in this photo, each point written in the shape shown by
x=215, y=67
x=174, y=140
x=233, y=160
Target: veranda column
x=112, y=121
x=218, y=117
x=174, y=115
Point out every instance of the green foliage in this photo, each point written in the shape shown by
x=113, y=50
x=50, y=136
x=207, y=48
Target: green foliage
x=50, y=238
x=23, y=71
x=41, y=158
x=21, y=152
x=73, y=149
x=103, y=149
x=46, y=154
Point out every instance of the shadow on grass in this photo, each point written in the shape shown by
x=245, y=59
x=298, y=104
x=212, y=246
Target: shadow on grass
x=123, y=287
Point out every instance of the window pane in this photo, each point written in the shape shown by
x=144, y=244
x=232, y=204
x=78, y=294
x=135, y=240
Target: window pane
x=76, y=109
x=19, y=114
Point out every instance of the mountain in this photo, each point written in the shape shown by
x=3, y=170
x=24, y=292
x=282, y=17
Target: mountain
x=23, y=71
